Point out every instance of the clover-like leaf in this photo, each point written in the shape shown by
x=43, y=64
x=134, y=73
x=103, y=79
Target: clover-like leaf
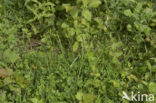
x=128, y=13
x=87, y=15
x=10, y=56
x=152, y=88
x=94, y=3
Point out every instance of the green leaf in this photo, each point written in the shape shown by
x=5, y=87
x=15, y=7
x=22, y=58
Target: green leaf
x=138, y=7
x=98, y=100
x=88, y=98
x=115, y=83
x=148, y=65
x=129, y=27
x=34, y=100
x=68, y=7
x=96, y=83
x=85, y=2
x=154, y=59
x=43, y=40
x=20, y=80
x=94, y=3
x=116, y=45
x=75, y=46
x=74, y=12
x=7, y=81
x=87, y=15
x=64, y=25
x=11, y=56
x=79, y=95
x=118, y=54
x=128, y=12
x=152, y=88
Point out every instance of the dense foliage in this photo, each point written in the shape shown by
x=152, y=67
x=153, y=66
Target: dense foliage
x=76, y=51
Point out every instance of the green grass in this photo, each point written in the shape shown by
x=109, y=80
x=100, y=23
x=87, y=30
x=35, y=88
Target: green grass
x=76, y=51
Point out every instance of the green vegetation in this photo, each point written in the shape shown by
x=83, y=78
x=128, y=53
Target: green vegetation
x=76, y=51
